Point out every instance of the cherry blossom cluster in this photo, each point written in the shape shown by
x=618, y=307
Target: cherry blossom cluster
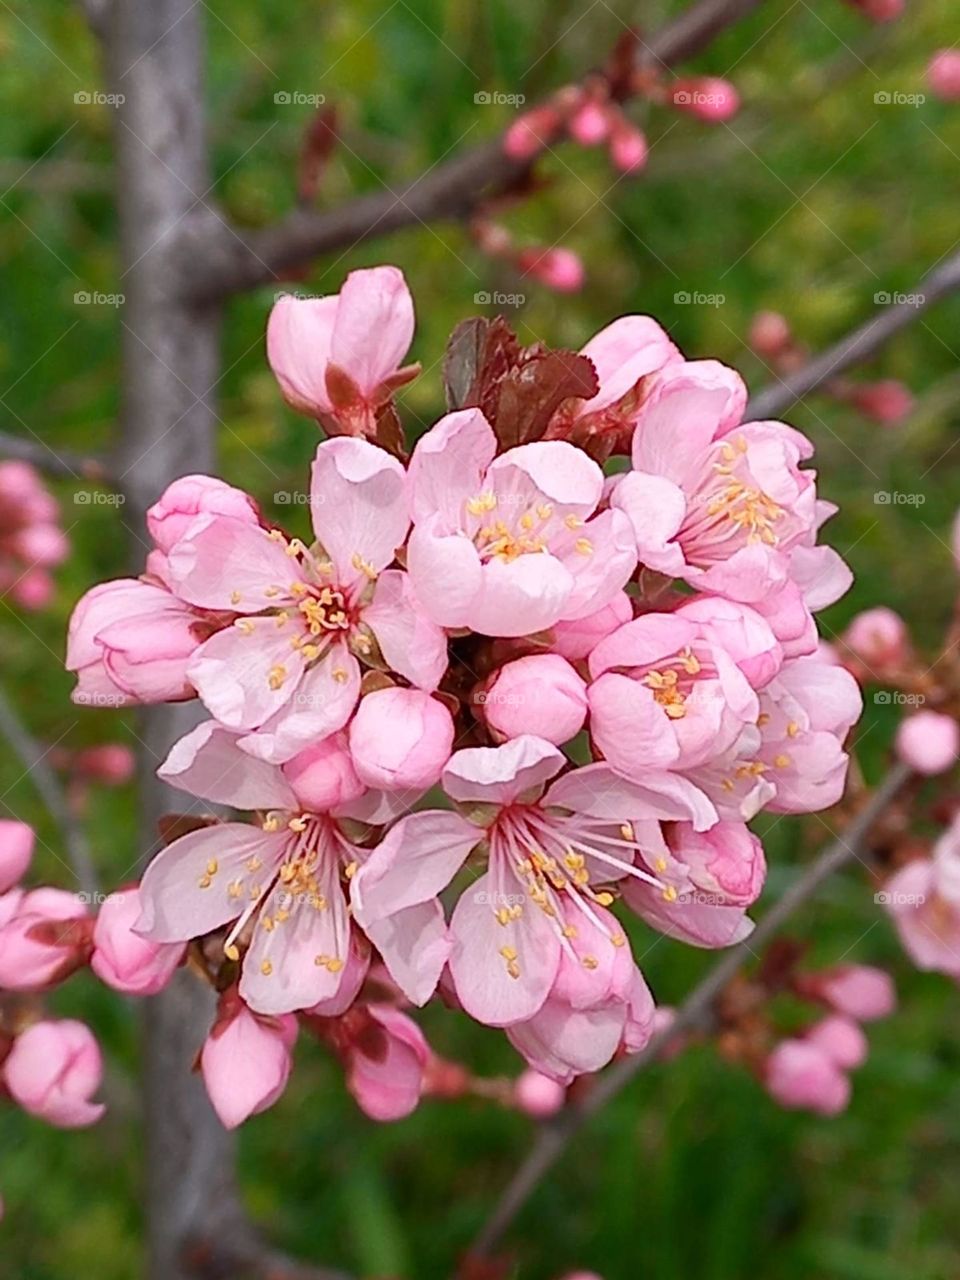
x=482, y=706
x=31, y=539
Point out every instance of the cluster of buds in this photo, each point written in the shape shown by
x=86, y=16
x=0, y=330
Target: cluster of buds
x=31, y=539
x=886, y=402
x=481, y=617
x=558, y=268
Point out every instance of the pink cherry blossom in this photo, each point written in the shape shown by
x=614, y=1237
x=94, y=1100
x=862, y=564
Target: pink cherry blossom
x=887, y=402
x=627, y=145
x=589, y=124
x=928, y=741
x=538, y=1095
x=841, y=1040
x=943, y=74
x=540, y=694
x=283, y=883
x=510, y=545
x=667, y=693
x=124, y=960
x=801, y=1075
x=770, y=334
x=923, y=898
x=44, y=941
x=706, y=97
x=183, y=500
x=713, y=500
x=246, y=1061
x=859, y=991
x=385, y=1063
x=288, y=671
x=879, y=638
x=559, y=269
x=341, y=356
x=577, y=639
x=552, y=850
x=52, y=1071
x=111, y=763
x=31, y=540
x=16, y=850
x=400, y=739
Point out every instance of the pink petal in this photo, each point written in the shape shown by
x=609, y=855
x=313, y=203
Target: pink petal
x=500, y=775
x=359, y=505
x=414, y=862
x=415, y=946
x=629, y=725
x=596, y=790
x=449, y=466
x=321, y=705
x=223, y=563
x=247, y=672
x=411, y=644
x=445, y=571
x=624, y=352
x=656, y=508
x=209, y=764
x=520, y=597
x=299, y=334
x=374, y=325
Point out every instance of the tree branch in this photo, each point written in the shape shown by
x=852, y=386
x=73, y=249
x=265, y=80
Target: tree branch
x=695, y=1012
x=859, y=345
x=34, y=760
x=97, y=13
x=55, y=462
x=232, y=259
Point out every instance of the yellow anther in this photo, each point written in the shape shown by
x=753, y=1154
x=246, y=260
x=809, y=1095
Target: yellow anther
x=590, y=962
x=572, y=521
x=584, y=546
x=276, y=676
x=266, y=968
x=669, y=894
x=235, y=597
x=204, y=882
x=213, y=866
x=232, y=952
x=781, y=761
x=350, y=870
x=245, y=625
x=792, y=729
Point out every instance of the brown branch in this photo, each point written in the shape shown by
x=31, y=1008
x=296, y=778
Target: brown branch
x=232, y=259
x=55, y=462
x=859, y=345
x=695, y=1012
x=232, y=1249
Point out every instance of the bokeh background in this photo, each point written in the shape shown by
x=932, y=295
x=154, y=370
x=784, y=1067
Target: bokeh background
x=812, y=200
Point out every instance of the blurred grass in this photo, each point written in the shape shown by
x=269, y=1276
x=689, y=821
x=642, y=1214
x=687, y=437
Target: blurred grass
x=812, y=200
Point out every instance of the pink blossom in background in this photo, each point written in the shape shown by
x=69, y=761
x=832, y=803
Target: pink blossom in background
x=801, y=1075
x=943, y=74
x=880, y=10
x=928, y=741
x=841, y=1040
x=111, y=763
x=538, y=1095
x=706, y=97
x=559, y=269
x=770, y=334
x=124, y=960
x=510, y=545
x=887, y=402
x=923, y=898
x=246, y=1061
x=879, y=638
x=287, y=671
x=53, y=1070
x=859, y=991
x=16, y=851
x=31, y=540
x=341, y=356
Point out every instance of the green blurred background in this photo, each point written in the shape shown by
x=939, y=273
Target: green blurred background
x=813, y=199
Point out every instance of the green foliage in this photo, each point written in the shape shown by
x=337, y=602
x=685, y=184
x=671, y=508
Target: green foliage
x=809, y=202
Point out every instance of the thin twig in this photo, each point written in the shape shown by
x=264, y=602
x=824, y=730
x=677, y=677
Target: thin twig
x=695, y=1012
x=859, y=345
x=34, y=760
x=56, y=462
x=232, y=259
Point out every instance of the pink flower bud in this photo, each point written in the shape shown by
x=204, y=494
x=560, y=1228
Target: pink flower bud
x=769, y=334
x=10, y=905
x=183, y=500
x=323, y=776
x=45, y=941
x=538, y=1095
x=558, y=269
x=540, y=694
x=628, y=146
x=42, y=544
x=880, y=10
x=386, y=1064
x=52, y=1071
x=246, y=1062
x=16, y=850
x=577, y=639
x=858, y=990
x=706, y=97
x=928, y=742
x=400, y=739
x=800, y=1075
x=34, y=590
x=943, y=74
x=589, y=124
x=841, y=1040
x=531, y=132
x=112, y=763
x=124, y=960
x=887, y=402
x=879, y=638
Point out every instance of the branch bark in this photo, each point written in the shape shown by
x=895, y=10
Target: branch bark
x=55, y=462
x=232, y=259
x=859, y=345
x=694, y=1013
x=34, y=760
